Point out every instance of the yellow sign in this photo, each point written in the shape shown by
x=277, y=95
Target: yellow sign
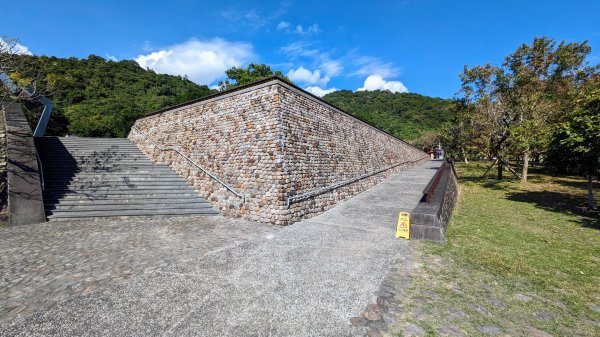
x=403, y=229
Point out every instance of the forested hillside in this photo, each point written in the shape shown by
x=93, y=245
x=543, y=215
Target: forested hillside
x=94, y=97
x=404, y=115
x=99, y=98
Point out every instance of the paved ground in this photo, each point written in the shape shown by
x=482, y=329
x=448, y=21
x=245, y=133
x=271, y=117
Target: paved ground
x=206, y=276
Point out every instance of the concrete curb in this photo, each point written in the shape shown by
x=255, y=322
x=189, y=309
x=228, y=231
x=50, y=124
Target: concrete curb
x=430, y=218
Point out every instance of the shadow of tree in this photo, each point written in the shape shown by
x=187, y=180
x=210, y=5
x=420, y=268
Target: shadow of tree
x=560, y=203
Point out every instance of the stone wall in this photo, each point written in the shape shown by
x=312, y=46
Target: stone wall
x=288, y=154
x=325, y=147
x=232, y=137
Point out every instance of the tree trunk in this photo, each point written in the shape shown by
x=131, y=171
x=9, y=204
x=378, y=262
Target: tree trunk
x=500, y=169
x=525, y=167
x=464, y=155
x=591, y=204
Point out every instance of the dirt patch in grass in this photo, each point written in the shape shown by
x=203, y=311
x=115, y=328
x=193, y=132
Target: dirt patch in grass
x=521, y=260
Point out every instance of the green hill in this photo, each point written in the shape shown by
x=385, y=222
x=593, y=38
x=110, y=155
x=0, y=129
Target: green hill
x=98, y=98
x=404, y=115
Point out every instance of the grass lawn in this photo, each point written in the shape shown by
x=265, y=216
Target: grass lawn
x=519, y=261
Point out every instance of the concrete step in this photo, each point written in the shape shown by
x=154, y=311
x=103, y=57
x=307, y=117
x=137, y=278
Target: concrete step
x=114, y=186
x=93, y=156
x=84, y=179
x=129, y=207
x=156, y=171
x=53, y=186
x=95, y=195
x=99, y=214
x=124, y=201
x=100, y=177
x=123, y=190
x=107, y=163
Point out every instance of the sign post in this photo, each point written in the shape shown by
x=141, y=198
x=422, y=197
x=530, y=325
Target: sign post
x=403, y=228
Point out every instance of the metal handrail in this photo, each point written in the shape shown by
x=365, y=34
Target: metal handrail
x=171, y=148
x=40, y=168
x=326, y=189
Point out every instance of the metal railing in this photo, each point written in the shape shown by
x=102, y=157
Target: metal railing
x=316, y=192
x=176, y=150
x=40, y=168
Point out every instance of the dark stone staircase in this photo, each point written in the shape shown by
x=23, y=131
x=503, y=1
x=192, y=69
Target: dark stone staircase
x=101, y=177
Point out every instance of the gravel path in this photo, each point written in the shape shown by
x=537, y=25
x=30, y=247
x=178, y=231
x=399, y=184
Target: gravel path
x=207, y=276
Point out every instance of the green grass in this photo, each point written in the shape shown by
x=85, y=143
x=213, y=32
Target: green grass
x=507, y=241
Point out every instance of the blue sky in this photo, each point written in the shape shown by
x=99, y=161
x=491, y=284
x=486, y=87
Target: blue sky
x=415, y=46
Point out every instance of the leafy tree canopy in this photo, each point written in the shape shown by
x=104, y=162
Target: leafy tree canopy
x=239, y=76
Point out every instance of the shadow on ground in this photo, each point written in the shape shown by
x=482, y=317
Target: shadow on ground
x=560, y=203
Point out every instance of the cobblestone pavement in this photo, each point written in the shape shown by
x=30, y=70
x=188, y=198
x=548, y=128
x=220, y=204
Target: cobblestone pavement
x=45, y=263
x=208, y=276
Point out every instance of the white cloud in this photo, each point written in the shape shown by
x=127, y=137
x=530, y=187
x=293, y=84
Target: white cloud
x=317, y=91
x=318, y=59
x=111, y=57
x=368, y=65
x=306, y=76
x=376, y=82
x=202, y=61
x=330, y=67
x=283, y=25
x=298, y=49
x=245, y=19
x=312, y=29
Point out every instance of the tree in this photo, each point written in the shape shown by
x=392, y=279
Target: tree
x=239, y=76
x=481, y=111
x=518, y=103
x=576, y=141
x=11, y=65
x=465, y=135
x=536, y=85
x=426, y=141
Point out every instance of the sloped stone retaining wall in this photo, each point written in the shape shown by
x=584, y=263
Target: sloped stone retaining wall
x=286, y=152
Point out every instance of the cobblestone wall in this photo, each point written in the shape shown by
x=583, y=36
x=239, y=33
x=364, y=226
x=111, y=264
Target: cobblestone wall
x=233, y=137
x=290, y=155
x=325, y=147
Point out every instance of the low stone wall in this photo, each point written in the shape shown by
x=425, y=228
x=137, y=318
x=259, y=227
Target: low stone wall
x=271, y=152
x=429, y=220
